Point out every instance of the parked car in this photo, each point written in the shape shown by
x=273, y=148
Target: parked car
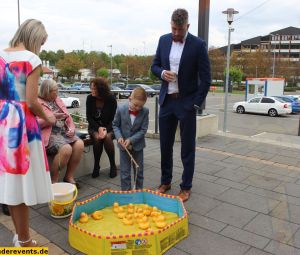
x=156, y=87
x=150, y=91
x=72, y=102
x=62, y=86
x=264, y=105
x=81, y=87
x=121, y=85
x=118, y=92
x=293, y=100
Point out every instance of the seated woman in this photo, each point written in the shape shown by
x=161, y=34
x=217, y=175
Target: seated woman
x=101, y=107
x=59, y=139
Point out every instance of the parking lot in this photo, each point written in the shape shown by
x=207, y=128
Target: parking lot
x=244, y=124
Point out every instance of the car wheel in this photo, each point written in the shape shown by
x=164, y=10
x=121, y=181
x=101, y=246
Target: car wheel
x=75, y=104
x=240, y=109
x=272, y=112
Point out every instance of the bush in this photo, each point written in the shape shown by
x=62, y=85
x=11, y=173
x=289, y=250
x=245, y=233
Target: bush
x=290, y=89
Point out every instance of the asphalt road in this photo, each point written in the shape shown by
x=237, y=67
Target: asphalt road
x=244, y=124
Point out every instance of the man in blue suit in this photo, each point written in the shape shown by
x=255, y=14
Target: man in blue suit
x=182, y=63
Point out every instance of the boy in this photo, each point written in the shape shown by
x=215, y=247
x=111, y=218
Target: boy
x=130, y=126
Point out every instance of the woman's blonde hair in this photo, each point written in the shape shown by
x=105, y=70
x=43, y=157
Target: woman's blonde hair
x=46, y=87
x=32, y=34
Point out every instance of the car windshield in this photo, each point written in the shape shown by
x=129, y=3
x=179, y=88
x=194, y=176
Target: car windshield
x=283, y=99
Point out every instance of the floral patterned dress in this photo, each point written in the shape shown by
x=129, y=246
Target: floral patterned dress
x=24, y=172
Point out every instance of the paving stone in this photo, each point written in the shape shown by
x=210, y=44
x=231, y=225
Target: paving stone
x=233, y=175
x=231, y=184
x=213, y=155
x=245, y=237
x=64, y=222
x=273, y=195
x=248, y=200
x=44, y=226
x=205, y=177
x=244, y=162
x=201, y=241
x=175, y=251
x=287, y=212
x=6, y=237
x=289, y=188
x=281, y=249
x=208, y=188
x=231, y=214
x=262, y=182
x=285, y=160
x=201, y=204
x=207, y=223
x=209, y=168
x=254, y=251
x=261, y=154
x=272, y=228
x=60, y=239
x=53, y=249
x=281, y=177
x=295, y=240
x=277, y=170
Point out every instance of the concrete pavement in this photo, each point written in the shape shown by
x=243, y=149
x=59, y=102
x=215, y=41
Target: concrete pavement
x=245, y=198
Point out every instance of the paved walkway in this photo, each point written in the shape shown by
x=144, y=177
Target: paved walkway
x=245, y=199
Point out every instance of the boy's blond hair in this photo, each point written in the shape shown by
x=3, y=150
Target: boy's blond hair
x=139, y=94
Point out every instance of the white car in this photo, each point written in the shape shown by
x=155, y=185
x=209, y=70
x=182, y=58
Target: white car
x=265, y=105
x=73, y=102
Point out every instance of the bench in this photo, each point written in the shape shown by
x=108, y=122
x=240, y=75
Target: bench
x=86, y=164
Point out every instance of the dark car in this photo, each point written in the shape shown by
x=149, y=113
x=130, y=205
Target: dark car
x=80, y=87
x=156, y=86
x=118, y=92
x=150, y=91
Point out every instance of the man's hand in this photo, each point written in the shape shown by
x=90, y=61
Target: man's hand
x=169, y=76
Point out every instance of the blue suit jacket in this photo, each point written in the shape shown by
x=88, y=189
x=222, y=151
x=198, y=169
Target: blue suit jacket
x=134, y=132
x=194, y=76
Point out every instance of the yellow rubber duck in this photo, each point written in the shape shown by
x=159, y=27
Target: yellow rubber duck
x=144, y=225
x=160, y=224
x=121, y=215
x=84, y=218
x=116, y=207
x=97, y=215
x=127, y=220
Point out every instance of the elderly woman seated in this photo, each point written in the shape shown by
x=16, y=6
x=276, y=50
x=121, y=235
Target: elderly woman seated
x=59, y=139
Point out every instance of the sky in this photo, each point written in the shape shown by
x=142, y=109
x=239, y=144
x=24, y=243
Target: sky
x=134, y=26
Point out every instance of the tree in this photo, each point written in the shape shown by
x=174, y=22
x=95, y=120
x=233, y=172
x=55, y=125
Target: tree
x=69, y=65
x=103, y=72
x=235, y=74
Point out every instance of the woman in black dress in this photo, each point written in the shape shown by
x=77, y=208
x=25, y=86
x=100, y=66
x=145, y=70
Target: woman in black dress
x=101, y=107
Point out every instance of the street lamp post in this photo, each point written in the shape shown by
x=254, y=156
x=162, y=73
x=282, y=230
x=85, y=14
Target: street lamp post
x=230, y=12
x=18, y=13
x=110, y=63
x=274, y=58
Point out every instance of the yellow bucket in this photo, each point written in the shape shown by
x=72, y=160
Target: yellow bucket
x=64, y=196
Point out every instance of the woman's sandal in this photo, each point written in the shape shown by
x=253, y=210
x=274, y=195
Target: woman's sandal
x=15, y=239
x=19, y=243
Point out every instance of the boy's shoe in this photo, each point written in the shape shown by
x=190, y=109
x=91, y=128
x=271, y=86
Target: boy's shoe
x=96, y=173
x=113, y=172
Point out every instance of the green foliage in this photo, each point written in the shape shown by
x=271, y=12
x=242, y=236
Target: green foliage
x=103, y=72
x=69, y=65
x=235, y=74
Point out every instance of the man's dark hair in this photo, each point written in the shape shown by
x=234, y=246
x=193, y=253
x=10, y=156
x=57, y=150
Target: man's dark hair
x=180, y=17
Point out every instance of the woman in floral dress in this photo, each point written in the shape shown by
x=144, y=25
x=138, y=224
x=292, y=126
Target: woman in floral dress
x=24, y=173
